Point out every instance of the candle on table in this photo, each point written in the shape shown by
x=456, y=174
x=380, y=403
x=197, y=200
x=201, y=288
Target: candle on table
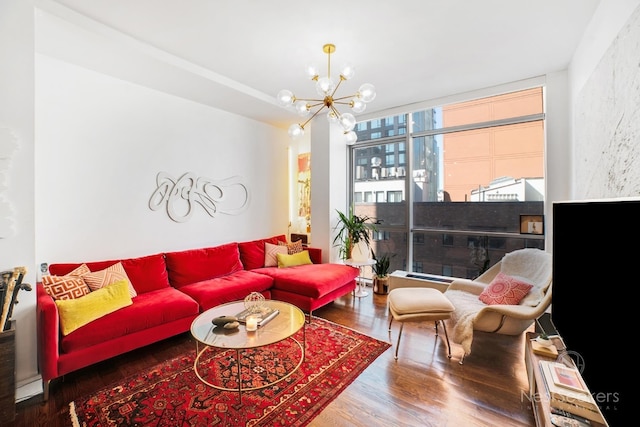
x=252, y=323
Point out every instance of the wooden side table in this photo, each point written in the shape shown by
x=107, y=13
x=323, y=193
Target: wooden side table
x=8, y=374
x=537, y=395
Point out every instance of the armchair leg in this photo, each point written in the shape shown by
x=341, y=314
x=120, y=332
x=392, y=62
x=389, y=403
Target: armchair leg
x=446, y=335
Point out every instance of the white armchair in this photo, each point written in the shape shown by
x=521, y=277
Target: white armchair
x=532, y=266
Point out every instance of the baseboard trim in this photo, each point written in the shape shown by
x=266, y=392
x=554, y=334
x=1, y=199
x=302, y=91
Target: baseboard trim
x=29, y=388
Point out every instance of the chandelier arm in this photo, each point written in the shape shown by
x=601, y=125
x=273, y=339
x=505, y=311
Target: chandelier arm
x=337, y=86
x=335, y=110
x=311, y=118
x=345, y=97
x=320, y=101
x=342, y=103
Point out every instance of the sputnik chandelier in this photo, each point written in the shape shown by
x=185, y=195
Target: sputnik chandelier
x=327, y=89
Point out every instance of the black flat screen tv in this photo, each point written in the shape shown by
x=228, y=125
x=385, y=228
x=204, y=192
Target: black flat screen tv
x=595, y=272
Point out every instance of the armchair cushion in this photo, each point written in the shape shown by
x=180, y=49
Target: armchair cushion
x=505, y=289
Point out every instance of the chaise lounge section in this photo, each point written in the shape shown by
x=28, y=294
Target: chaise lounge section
x=166, y=292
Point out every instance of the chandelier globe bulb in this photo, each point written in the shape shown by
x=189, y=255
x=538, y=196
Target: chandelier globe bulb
x=302, y=108
x=358, y=105
x=332, y=117
x=350, y=137
x=312, y=71
x=347, y=121
x=296, y=131
x=367, y=92
x=347, y=71
x=325, y=86
x=285, y=97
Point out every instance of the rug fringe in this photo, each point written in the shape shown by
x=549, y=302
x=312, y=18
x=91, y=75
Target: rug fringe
x=73, y=415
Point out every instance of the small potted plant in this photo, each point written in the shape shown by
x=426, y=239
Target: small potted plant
x=353, y=235
x=381, y=273
x=543, y=339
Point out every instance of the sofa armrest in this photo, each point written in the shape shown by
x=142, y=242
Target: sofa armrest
x=48, y=333
x=315, y=254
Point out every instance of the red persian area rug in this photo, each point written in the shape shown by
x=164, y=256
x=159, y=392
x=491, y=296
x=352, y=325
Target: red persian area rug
x=171, y=394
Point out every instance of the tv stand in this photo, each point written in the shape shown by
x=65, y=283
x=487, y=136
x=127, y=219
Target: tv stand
x=537, y=394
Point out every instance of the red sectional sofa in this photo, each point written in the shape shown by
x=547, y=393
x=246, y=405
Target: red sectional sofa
x=172, y=289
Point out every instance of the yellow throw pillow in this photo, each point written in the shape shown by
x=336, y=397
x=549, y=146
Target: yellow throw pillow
x=75, y=313
x=301, y=258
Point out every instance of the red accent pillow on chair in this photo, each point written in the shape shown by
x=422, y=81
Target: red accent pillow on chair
x=505, y=289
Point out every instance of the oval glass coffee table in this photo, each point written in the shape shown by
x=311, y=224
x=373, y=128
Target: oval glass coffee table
x=289, y=320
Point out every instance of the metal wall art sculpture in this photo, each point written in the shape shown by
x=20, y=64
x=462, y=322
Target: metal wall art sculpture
x=229, y=196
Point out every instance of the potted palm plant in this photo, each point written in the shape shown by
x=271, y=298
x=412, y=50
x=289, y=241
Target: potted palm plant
x=353, y=236
x=381, y=272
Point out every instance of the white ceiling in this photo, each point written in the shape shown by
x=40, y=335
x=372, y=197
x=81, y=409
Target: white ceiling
x=237, y=54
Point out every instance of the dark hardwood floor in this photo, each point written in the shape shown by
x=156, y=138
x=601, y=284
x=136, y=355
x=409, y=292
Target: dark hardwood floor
x=422, y=388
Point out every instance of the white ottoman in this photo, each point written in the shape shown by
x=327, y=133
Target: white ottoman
x=419, y=305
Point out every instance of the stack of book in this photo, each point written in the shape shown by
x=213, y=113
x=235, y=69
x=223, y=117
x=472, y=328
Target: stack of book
x=567, y=391
x=265, y=313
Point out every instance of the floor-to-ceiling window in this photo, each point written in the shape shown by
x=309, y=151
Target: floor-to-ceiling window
x=455, y=187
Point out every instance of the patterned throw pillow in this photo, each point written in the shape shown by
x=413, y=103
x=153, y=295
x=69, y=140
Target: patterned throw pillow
x=79, y=271
x=65, y=287
x=505, y=289
x=293, y=247
x=270, y=253
x=99, y=279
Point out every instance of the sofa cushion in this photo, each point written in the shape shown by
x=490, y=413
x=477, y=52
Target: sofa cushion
x=505, y=289
x=252, y=253
x=312, y=280
x=148, y=310
x=196, y=265
x=300, y=258
x=233, y=287
x=147, y=273
x=293, y=247
x=271, y=253
x=75, y=313
x=115, y=273
x=65, y=287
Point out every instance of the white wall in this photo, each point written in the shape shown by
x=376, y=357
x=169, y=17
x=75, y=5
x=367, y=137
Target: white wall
x=17, y=183
x=605, y=104
x=101, y=143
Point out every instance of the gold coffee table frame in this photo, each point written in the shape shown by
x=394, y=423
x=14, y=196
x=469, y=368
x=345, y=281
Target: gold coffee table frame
x=284, y=326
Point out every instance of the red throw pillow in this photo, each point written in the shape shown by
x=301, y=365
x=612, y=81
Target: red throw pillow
x=505, y=289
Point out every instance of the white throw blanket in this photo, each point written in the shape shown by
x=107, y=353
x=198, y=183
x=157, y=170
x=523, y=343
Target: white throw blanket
x=467, y=307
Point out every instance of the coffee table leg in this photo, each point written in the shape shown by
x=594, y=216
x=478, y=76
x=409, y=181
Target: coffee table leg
x=239, y=377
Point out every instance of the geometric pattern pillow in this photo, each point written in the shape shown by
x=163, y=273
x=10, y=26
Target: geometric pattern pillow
x=505, y=289
x=293, y=247
x=79, y=271
x=271, y=252
x=65, y=287
x=99, y=279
